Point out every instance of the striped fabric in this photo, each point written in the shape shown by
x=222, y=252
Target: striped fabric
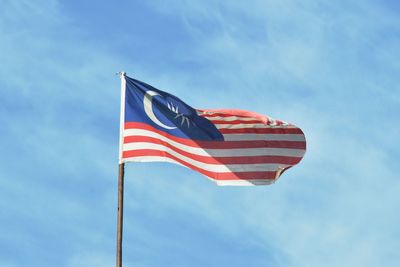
x=255, y=149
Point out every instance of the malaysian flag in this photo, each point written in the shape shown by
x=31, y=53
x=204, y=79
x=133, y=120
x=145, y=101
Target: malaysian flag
x=229, y=146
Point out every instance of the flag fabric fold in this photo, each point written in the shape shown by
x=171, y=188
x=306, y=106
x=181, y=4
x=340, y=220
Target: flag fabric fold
x=229, y=146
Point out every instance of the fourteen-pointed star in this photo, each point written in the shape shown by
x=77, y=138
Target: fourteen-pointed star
x=184, y=119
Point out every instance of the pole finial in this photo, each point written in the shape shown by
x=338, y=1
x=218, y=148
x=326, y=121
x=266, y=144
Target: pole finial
x=121, y=74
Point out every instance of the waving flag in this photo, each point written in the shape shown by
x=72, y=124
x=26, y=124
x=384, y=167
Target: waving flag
x=229, y=146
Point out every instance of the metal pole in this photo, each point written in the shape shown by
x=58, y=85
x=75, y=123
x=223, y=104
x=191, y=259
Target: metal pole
x=120, y=212
x=121, y=173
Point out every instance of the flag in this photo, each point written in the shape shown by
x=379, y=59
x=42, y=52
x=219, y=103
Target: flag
x=229, y=146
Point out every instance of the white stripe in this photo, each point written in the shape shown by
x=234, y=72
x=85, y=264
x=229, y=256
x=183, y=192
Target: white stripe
x=243, y=182
x=247, y=125
x=231, y=118
x=231, y=152
x=206, y=166
x=266, y=137
x=227, y=137
x=151, y=159
x=218, y=182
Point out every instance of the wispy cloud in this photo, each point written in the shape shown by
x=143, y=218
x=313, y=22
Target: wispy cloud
x=330, y=68
x=324, y=64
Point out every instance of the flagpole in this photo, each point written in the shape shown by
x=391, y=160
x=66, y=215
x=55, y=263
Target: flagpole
x=120, y=212
x=121, y=174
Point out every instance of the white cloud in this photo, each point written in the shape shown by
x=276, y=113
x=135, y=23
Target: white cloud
x=337, y=208
x=348, y=207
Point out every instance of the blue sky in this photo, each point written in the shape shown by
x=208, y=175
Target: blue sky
x=330, y=67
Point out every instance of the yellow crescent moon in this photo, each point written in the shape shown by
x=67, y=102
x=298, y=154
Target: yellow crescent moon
x=148, y=109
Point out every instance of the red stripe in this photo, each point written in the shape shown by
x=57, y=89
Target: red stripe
x=225, y=144
x=266, y=122
x=226, y=160
x=143, y=126
x=231, y=112
x=237, y=122
x=223, y=115
x=139, y=125
x=261, y=131
x=218, y=144
x=210, y=113
x=214, y=175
